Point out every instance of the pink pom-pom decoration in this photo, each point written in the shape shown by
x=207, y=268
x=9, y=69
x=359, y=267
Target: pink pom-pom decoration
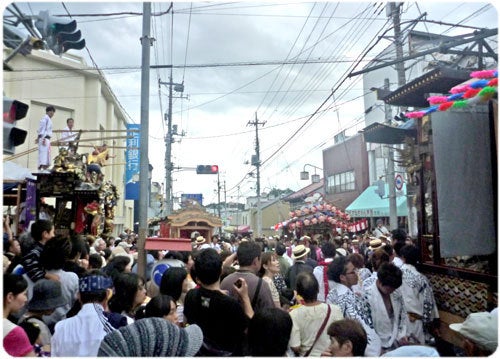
x=436, y=99
x=415, y=114
x=484, y=74
x=460, y=88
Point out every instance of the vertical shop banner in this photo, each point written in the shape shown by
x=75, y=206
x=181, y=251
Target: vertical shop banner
x=133, y=159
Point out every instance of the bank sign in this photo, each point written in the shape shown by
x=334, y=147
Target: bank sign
x=133, y=160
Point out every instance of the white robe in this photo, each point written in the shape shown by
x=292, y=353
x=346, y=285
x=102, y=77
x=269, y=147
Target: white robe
x=44, y=130
x=389, y=329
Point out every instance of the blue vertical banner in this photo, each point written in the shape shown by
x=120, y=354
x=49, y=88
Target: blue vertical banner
x=133, y=159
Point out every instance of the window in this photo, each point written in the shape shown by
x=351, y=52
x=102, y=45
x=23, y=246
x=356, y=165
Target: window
x=341, y=182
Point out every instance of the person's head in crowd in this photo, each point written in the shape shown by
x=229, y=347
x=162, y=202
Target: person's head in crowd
x=280, y=249
x=42, y=231
x=348, y=338
x=269, y=332
x=397, y=247
x=158, y=338
x=79, y=248
x=378, y=257
x=398, y=235
x=269, y=265
x=480, y=333
x=14, y=247
x=357, y=260
x=94, y=287
x=130, y=293
x=14, y=293
x=409, y=254
x=47, y=296
x=107, y=253
x=174, y=282
x=160, y=306
x=307, y=286
x=389, y=249
x=248, y=255
x=207, y=266
x=95, y=261
x=389, y=278
x=328, y=249
x=341, y=270
x=55, y=253
x=118, y=265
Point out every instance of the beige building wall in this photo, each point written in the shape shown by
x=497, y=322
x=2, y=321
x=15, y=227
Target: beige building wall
x=43, y=79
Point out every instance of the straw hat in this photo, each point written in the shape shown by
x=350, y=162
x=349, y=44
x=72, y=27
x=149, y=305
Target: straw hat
x=375, y=244
x=300, y=251
x=200, y=240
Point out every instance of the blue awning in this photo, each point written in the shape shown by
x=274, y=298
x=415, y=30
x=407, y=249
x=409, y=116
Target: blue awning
x=369, y=204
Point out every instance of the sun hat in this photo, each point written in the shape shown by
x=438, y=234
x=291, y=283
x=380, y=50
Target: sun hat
x=142, y=339
x=200, y=240
x=375, y=244
x=300, y=251
x=481, y=328
x=47, y=294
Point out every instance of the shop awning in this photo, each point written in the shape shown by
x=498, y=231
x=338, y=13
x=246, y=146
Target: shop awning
x=369, y=203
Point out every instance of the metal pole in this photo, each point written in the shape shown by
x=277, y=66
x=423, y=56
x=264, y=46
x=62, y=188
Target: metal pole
x=144, y=161
x=257, y=150
x=168, y=155
x=393, y=209
x=218, y=200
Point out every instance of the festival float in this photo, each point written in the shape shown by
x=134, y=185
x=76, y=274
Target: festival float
x=320, y=217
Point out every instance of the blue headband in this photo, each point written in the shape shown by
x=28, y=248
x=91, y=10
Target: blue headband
x=95, y=283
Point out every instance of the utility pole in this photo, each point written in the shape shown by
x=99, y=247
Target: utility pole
x=169, y=139
x=400, y=69
x=146, y=42
x=218, y=200
x=256, y=163
x=393, y=208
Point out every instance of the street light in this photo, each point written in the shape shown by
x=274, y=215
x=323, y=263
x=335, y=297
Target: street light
x=315, y=178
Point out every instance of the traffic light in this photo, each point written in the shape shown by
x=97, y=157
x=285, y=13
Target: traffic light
x=60, y=35
x=13, y=110
x=207, y=169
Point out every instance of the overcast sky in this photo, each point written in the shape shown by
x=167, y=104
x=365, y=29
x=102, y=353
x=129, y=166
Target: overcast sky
x=222, y=99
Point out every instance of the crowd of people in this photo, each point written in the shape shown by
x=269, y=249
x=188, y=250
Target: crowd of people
x=346, y=295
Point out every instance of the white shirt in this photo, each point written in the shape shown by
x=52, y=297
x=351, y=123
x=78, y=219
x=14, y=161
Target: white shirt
x=319, y=272
x=68, y=135
x=81, y=335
